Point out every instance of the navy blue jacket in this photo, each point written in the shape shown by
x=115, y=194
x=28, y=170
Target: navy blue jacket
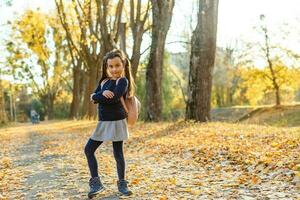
x=111, y=109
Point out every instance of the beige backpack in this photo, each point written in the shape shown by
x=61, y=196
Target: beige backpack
x=132, y=106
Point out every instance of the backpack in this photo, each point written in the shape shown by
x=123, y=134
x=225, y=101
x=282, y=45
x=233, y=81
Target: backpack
x=132, y=106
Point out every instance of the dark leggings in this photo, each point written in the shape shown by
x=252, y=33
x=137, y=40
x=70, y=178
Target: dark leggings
x=90, y=149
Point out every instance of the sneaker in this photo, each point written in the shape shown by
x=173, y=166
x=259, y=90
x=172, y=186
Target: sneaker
x=95, y=186
x=122, y=187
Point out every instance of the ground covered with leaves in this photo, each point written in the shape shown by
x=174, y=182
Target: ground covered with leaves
x=165, y=160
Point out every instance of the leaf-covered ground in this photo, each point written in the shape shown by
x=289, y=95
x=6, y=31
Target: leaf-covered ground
x=166, y=160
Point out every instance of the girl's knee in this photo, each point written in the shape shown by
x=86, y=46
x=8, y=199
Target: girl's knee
x=88, y=151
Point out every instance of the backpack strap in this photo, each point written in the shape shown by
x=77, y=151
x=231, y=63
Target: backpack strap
x=118, y=80
x=117, y=84
x=103, y=82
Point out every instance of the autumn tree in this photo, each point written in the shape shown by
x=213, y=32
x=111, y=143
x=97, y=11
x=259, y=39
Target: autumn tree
x=139, y=24
x=33, y=56
x=266, y=49
x=226, y=77
x=259, y=87
x=270, y=49
x=202, y=62
x=161, y=17
x=95, y=34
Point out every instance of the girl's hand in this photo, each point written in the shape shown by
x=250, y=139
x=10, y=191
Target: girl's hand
x=108, y=94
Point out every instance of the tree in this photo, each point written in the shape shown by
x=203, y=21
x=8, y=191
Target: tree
x=37, y=53
x=225, y=76
x=259, y=88
x=138, y=25
x=161, y=16
x=3, y=115
x=90, y=33
x=202, y=62
x=266, y=50
x=272, y=50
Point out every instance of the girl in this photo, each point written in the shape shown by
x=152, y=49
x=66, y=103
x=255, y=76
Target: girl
x=112, y=124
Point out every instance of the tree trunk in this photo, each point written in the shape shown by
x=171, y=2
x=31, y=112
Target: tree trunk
x=162, y=15
x=89, y=109
x=137, y=24
x=3, y=116
x=202, y=62
x=51, y=106
x=83, y=85
x=74, y=110
x=135, y=58
x=277, y=93
x=218, y=96
x=92, y=84
x=122, y=36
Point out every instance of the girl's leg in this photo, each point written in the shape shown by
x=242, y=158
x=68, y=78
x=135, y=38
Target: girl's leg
x=89, y=151
x=119, y=157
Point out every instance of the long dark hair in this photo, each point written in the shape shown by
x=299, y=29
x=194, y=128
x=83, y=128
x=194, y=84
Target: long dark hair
x=126, y=63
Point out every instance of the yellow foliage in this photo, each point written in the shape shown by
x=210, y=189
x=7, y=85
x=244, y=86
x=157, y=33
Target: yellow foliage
x=258, y=82
x=32, y=27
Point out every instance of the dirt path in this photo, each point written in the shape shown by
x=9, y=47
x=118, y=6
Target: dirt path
x=53, y=166
x=48, y=176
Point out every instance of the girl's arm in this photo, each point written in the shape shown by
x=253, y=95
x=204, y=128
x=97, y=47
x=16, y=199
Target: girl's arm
x=119, y=91
x=97, y=89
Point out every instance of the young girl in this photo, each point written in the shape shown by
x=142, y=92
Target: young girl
x=112, y=124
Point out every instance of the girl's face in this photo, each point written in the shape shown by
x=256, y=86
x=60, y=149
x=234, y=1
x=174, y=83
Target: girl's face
x=115, y=67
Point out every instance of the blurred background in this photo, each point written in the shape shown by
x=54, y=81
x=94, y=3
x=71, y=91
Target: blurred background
x=51, y=53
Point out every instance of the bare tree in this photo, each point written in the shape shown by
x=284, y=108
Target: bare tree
x=162, y=16
x=138, y=27
x=202, y=62
x=97, y=36
x=266, y=50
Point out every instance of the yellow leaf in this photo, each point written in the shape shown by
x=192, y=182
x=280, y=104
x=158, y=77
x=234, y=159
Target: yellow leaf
x=135, y=181
x=164, y=197
x=274, y=144
x=172, y=181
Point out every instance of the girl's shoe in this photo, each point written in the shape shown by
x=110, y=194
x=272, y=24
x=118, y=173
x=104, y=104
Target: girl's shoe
x=95, y=187
x=122, y=187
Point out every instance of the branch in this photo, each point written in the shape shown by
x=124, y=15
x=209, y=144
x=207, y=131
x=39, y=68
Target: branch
x=115, y=30
x=62, y=17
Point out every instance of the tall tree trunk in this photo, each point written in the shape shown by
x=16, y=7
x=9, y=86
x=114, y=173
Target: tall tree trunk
x=51, y=106
x=137, y=25
x=136, y=56
x=122, y=33
x=83, y=85
x=74, y=110
x=3, y=116
x=92, y=71
x=273, y=75
x=218, y=95
x=202, y=62
x=162, y=16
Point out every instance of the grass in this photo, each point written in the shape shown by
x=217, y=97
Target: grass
x=283, y=116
